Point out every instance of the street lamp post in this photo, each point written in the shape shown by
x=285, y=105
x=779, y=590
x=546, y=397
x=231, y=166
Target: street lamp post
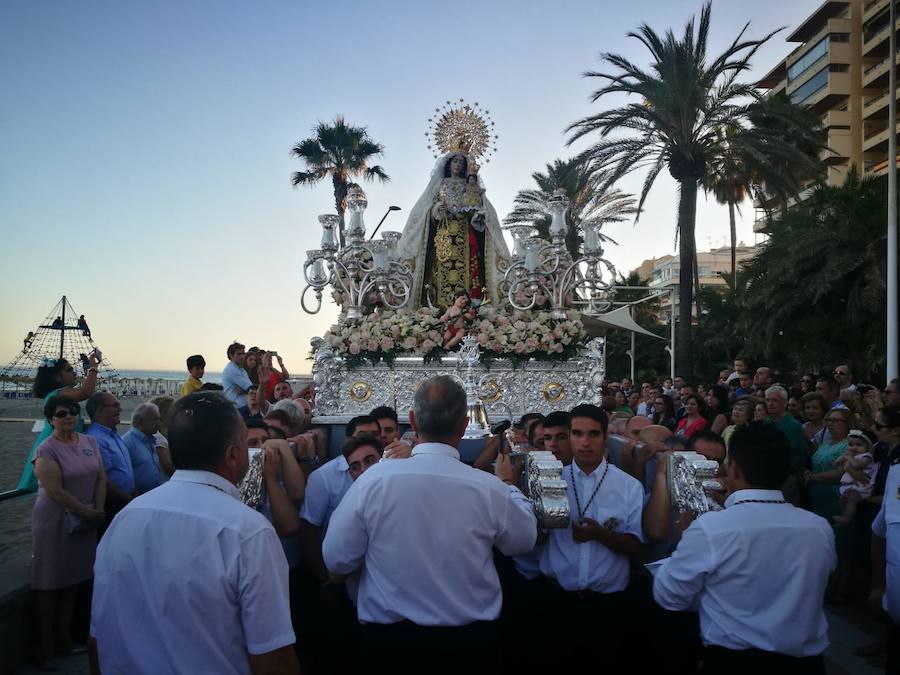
x=892, y=203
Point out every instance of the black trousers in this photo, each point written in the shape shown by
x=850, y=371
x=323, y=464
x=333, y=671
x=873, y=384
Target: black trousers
x=407, y=649
x=718, y=660
x=592, y=626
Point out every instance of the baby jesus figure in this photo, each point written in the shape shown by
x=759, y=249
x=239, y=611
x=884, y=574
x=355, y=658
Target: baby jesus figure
x=457, y=316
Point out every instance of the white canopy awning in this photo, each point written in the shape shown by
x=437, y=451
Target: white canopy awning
x=618, y=318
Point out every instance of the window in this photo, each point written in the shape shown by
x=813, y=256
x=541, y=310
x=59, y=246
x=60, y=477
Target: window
x=811, y=86
x=808, y=59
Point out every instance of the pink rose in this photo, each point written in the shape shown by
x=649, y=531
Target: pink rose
x=372, y=346
x=520, y=347
x=434, y=336
x=531, y=344
x=558, y=348
x=409, y=343
x=395, y=330
x=354, y=348
x=483, y=339
x=387, y=344
x=428, y=345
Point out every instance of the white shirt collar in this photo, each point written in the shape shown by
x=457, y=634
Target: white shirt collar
x=596, y=472
x=209, y=478
x=742, y=495
x=436, y=449
x=341, y=464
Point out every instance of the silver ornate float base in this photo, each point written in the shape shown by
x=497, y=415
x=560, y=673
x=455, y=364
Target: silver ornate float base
x=536, y=386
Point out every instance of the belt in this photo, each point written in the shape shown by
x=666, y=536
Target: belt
x=581, y=594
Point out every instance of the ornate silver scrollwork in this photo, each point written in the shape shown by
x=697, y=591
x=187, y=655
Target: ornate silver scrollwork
x=689, y=475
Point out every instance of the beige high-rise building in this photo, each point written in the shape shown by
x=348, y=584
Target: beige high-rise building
x=840, y=70
x=664, y=271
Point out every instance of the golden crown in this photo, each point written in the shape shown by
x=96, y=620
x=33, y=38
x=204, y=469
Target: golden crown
x=463, y=127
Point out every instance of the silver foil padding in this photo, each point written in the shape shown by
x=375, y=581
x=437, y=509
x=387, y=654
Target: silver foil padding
x=546, y=488
x=689, y=475
x=251, y=487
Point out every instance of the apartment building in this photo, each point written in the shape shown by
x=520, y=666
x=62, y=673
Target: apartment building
x=840, y=70
x=664, y=271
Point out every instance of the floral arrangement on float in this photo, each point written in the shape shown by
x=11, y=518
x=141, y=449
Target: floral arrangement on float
x=517, y=336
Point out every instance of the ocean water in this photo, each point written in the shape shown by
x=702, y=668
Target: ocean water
x=179, y=375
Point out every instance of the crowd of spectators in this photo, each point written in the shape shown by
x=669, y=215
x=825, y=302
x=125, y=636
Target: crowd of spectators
x=840, y=437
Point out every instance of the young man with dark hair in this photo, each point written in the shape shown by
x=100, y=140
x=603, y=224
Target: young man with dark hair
x=196, y=366
x=362, y=425
x=588, y=564
x=781, y=553
x=149, y=582
x=235, y=380
x=388, y=423
x=361, y=453
x=556, y=436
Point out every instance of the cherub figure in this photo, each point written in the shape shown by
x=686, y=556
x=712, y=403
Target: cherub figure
x=457, y=316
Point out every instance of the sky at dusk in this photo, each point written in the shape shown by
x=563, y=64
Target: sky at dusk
x=144, y=146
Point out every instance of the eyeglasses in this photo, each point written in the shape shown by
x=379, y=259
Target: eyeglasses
x=62, y=414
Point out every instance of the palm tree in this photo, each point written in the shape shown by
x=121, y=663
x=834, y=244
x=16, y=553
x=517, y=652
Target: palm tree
x=818, y=283
x=685, y=99
x=340, y=151
x=777, y=155
x=590, y=200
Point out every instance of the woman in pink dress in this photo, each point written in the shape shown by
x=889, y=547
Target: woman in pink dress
x=67, y=512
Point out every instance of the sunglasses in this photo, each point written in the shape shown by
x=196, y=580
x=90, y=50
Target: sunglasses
x=62, y=414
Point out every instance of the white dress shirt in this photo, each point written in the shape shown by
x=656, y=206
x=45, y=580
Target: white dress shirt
x=756, y=572
x=422, y=530
x=189, y=580
x=325, y=489
x=887, y=526
x=591, y=565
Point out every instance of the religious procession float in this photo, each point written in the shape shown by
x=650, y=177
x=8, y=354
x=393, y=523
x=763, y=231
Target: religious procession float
x=446, y=296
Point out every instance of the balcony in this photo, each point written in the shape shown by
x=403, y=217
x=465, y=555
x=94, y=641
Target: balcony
x=836, y=118
x=839, y=147
x=875, y=107
x=877, y=140
x=877, y=44
x=872, y=8
x=876, y=76
x=836, y=89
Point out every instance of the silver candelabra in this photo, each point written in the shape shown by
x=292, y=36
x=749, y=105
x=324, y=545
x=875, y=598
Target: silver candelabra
x=361, y=271
x=545, y=271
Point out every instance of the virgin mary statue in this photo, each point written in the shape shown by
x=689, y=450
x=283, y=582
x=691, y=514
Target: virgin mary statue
x=452, y=237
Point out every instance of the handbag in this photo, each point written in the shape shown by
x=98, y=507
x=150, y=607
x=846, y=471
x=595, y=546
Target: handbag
x=75, y=524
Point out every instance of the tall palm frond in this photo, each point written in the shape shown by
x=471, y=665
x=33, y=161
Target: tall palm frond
x=685, y=98
x=591, y=200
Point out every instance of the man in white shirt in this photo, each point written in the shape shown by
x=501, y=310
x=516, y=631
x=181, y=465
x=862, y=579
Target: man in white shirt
x=187, y=578
x=422, y=531
x=588, y=564
x=756, y=571
x=235, y=380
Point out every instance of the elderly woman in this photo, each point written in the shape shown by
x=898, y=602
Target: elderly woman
x=64, y=521
x=741, y=416
x=824, y=480
x=814, y=408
